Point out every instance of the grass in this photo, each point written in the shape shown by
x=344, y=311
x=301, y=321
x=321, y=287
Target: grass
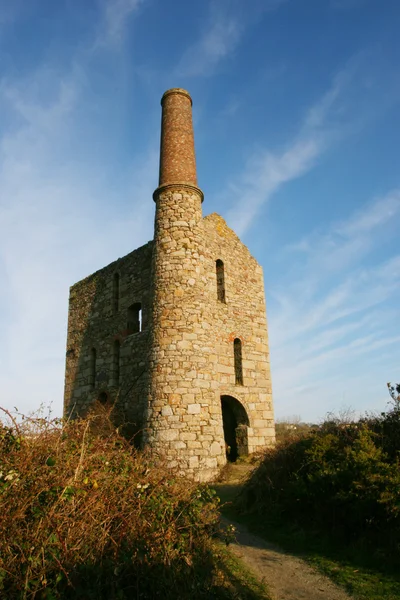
x=363, y=575
x=233, y=576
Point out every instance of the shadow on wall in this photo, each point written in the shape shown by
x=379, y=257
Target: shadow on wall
x=107, y=345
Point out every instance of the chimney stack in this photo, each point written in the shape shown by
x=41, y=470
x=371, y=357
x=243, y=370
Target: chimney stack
x=180, y=292
x=177, y=156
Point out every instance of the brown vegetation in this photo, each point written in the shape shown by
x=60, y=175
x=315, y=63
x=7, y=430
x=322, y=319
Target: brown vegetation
x=84, y=515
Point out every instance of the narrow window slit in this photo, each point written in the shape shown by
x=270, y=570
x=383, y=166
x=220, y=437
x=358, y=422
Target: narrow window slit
x=116, y=362
x=237, y=353
x=219, y=265
x=92, y=375
x=116, y=293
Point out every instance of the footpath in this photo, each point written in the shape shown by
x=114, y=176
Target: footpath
x=286, y=576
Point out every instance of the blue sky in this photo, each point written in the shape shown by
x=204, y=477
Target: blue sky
x=297, y=125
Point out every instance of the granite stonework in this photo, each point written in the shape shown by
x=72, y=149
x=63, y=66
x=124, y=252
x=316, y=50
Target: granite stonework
x=94, y=323
x=193, y=377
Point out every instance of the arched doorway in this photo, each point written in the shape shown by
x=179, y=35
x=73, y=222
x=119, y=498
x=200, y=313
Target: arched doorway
x=235, y=422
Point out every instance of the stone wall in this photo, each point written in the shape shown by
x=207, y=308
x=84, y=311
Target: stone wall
x=95, y=322
x=192, y=361
x=242, y=316
x=196, y=379
x=174, y=373
x=184, y=423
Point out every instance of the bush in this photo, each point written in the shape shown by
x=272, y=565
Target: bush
x=342, y=479
x=387, y=428
x=291, y=429
x=84, y=515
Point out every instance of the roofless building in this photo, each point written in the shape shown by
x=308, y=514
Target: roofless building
x=174, y=334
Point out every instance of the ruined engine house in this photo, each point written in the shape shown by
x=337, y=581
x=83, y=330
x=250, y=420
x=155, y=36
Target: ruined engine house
x=174, y=334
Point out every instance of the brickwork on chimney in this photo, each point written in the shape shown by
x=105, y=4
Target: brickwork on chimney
x=202, y=295
x=177, y=154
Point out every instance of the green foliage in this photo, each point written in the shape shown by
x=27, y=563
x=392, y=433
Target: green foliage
x=387, y=428
x=86, y=516
x=342, y=479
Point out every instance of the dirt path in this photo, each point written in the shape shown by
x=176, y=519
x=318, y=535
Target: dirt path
x=287, y=577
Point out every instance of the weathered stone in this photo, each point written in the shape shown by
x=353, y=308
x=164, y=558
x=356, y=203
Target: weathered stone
x=168, y=435
x=157, y=332
x=215, y=448
x=193, y=462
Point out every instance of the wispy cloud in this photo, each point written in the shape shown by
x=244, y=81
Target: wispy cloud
x=266, y=171
x=59, y=223
x=56, y=228
x=318, y=115
x=220, y=39
x=265, y=174
x=347, y=242
x=375, y=214
x=116, y=17
x=336, y=115
x=333, y=308
x=221, y=34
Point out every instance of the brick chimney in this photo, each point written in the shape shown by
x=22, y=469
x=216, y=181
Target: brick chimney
x=178, y=394
x=177, y=154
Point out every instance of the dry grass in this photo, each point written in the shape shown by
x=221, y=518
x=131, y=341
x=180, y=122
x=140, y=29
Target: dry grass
x=84, y=515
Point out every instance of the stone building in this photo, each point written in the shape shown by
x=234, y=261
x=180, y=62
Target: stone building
x=175, y=334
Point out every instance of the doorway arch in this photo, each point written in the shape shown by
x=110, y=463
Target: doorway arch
x=235, y=423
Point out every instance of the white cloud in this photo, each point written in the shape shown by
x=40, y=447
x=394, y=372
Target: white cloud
x=56, y=229
x=347, y=242
x=318, y=113
x=59, y=224
x=220, y=36
x=334, y=315
x=377, y=213
x=265, y=174
x=219, y=40
x=336, y=114
x=266, y=171
x=116, y=17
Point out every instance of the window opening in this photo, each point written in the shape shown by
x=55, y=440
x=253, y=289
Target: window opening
x=92, y=375
x=115, y=293
x=237, y=352
x=116, y=362
x=134, y=324
x=103, y=398
x=219, y=265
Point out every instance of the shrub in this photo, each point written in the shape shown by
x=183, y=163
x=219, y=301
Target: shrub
x=291, y=429
x=84, y=515
x=387, y=428
x=342, y=479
